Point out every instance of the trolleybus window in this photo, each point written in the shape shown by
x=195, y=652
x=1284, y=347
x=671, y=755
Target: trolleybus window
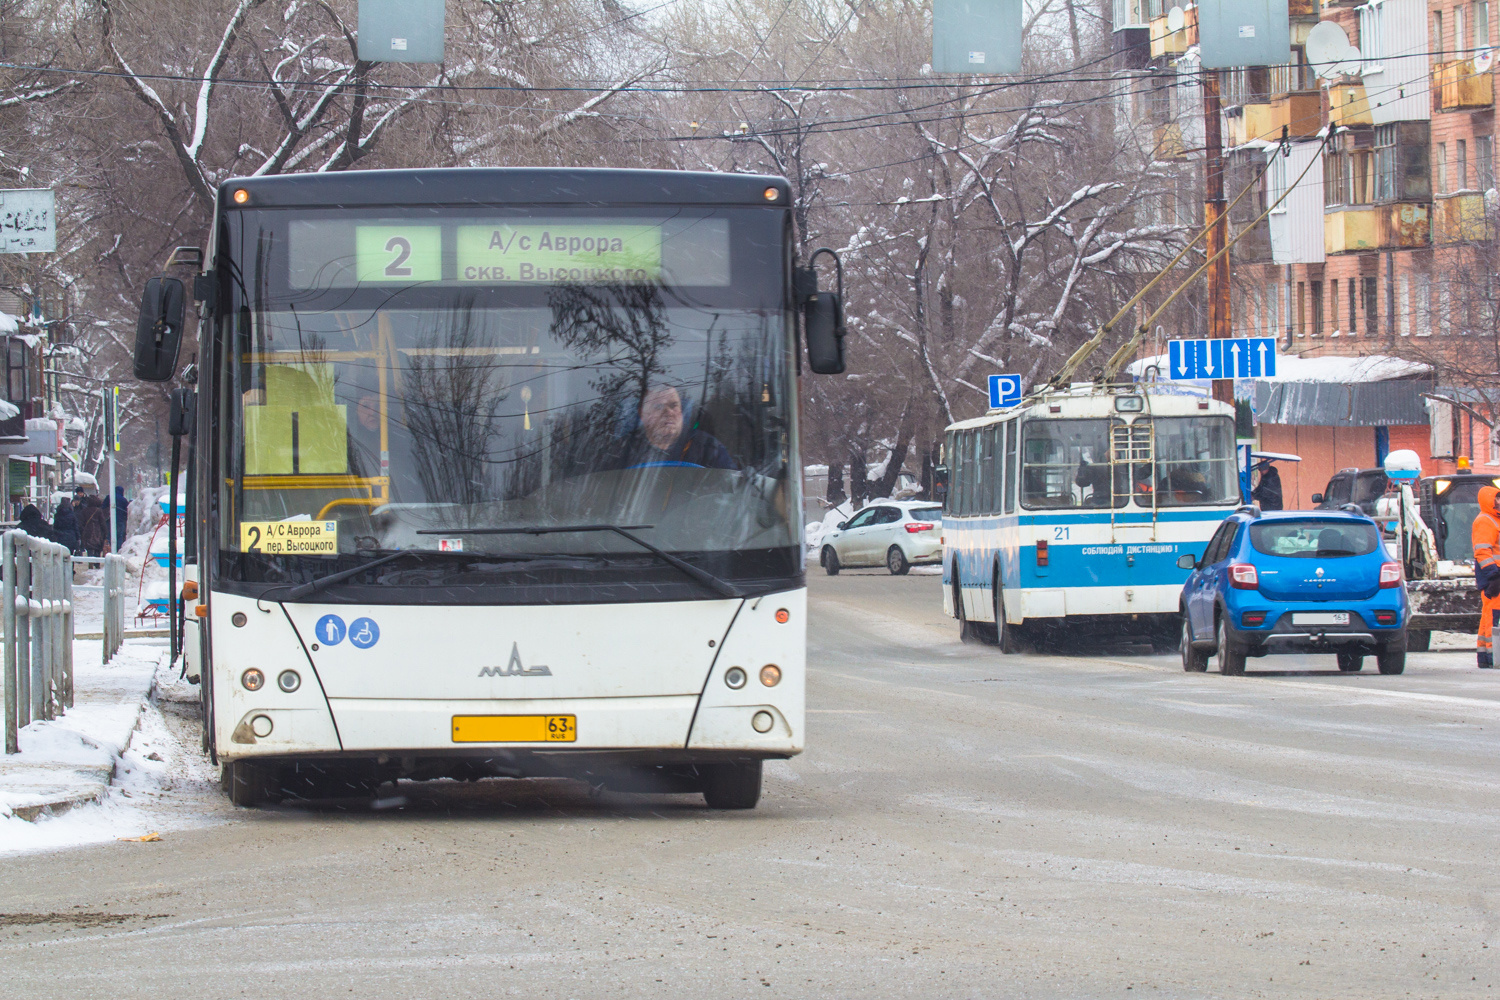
x=371, y=409
x=1194, y=462
x=1066, y=464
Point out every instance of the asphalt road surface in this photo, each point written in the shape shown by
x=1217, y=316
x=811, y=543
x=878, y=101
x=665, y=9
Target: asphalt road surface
x=1089, y=823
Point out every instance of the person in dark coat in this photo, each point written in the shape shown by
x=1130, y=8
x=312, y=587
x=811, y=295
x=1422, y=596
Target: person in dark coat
x=65, y=525
x=120, y=510
x=35, y=525
x=93, y=525
x=1267, y=492
x=664, y=437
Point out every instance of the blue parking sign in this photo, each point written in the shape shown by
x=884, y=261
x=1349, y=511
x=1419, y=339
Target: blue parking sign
x=1005, y=391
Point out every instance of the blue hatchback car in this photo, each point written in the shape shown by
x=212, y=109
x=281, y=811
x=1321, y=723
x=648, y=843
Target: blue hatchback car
x=1294, y=581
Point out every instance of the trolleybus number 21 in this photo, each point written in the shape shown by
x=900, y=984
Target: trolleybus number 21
x=1059, y=534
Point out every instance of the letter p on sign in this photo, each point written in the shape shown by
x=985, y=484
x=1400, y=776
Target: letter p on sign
x=1005, y=391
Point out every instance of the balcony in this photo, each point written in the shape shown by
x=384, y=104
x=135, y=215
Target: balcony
x=1458, y=86
x=1461, y=218
x=1250, y=121
x=1349, y=105
x=1399, y=226
x=1300, y=112
x=1165, y=42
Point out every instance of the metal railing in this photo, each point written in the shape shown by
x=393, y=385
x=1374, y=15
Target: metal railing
x=38, y=620
x=113, y=587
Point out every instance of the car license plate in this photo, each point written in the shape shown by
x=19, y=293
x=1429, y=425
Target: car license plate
x=515, y=728
x=1320, y=618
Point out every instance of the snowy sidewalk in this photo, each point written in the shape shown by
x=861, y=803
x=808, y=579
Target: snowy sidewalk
x=71, y=760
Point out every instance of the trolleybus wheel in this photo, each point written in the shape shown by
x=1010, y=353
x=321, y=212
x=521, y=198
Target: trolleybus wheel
x=968, y=632
x=248, y=784
x=1007, y=636
x=895, y=561
x=1418, y=640
x=1351, y=663
x=1194, y=661
x=830, y=560
x=1392, y=662
x=732, y=786
x=1230, y=660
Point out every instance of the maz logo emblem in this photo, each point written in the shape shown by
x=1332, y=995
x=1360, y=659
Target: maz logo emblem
x=514, y=667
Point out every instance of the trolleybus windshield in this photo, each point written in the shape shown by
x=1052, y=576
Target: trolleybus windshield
x=434, y=381
x=1183, y=461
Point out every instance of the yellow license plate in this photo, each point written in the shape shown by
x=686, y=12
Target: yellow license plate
x=515, y=728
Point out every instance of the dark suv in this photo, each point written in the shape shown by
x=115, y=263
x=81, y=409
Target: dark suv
x=1294, y=581
x=1361, y=487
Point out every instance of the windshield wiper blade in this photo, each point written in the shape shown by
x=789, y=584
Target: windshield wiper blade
x=313, y=586
x=714, y=583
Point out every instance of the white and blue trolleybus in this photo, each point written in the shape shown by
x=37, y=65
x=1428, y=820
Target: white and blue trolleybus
x=1071, y=510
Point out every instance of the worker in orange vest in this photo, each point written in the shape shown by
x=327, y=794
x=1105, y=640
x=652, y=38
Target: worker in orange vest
x=1487, y=571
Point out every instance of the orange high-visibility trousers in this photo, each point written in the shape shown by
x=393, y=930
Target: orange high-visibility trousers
x=1486, y=558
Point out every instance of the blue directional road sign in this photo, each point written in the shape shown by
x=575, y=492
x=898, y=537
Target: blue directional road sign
x=1235, y=357
x=1005, y=391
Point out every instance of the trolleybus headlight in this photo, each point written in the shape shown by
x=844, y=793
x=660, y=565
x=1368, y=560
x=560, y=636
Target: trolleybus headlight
x=770, y=675
x=253, y=679
x=762, y=722
x=735, y=678
x=289, y=681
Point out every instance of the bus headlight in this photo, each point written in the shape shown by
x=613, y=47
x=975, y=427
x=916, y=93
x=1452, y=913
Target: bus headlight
x=770, y=675
x=289, y=681
x=735, y=678
x=762, y=722
x=253, y=679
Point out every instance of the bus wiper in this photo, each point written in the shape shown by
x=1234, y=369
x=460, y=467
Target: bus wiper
x=714, y=583
x=313, y=586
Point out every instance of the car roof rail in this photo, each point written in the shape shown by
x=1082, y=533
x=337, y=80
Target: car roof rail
x=1253, y=509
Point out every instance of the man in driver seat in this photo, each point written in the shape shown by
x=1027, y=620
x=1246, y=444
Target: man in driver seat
x=663, y=436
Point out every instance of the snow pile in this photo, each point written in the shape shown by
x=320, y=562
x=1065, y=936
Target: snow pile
x=817, y=530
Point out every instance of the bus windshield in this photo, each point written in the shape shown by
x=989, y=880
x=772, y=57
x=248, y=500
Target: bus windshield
x=360, y=416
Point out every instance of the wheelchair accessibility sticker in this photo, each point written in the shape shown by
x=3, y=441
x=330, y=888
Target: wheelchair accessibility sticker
x=364, y=633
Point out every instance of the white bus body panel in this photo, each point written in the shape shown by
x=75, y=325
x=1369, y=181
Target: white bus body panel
x=633, y=674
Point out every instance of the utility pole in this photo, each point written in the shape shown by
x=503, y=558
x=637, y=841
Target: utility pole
x=1216, y=220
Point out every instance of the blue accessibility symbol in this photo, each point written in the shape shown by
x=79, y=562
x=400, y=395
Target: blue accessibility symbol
x=330, y=630
x=364, y=633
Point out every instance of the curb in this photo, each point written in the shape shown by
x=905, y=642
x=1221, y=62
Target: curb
x=96, y=792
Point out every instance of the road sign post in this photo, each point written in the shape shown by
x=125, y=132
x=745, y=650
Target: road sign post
x=1005, y=391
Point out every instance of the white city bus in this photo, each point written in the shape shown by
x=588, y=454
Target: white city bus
x=1071, y=511
x=494, y=476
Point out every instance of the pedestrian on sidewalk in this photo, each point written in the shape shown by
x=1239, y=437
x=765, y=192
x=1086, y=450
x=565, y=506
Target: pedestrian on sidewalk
x=1486, y=534
x=120, y=509
x=93, y=525
x=65, y=525
x=35, y=525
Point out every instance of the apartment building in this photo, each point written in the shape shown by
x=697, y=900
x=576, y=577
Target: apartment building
x=1384, y=242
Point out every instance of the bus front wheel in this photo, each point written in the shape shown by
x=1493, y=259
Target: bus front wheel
x=732, y=786
x=248, y=784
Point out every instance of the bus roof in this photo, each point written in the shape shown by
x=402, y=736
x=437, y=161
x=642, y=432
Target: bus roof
x=502, y=185
x=1082, y=401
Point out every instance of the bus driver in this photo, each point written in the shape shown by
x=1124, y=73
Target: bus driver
x=663, y=437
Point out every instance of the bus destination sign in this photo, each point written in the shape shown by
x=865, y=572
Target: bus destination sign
x=588, y=253
x=290, y=538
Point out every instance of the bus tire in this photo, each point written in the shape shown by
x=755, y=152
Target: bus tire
x=248, y=784
x=1230, y=660
x=1007, y=636
x=895, y=561
x=1194, y=660
x=1391, y=661
x=1418, y=640
x=830, y=561
x=732, y=786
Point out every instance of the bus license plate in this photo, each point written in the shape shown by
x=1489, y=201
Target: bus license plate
x=1320, y=618
x=515, y=728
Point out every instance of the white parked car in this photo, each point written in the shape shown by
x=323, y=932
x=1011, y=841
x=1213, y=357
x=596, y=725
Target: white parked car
x=896, y=534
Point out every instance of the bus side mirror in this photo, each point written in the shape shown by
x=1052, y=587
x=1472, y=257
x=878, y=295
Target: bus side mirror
x=822, y=316
x=1187, y=561
x=1317, y=498
x=158, y=331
